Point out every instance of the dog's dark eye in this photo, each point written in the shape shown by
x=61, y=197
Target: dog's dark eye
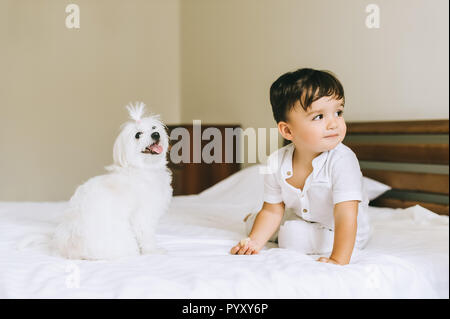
x=138, y=135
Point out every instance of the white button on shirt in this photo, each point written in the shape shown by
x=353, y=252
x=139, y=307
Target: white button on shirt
x=336, y=177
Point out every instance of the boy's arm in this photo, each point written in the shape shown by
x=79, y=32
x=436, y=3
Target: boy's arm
x=345, y=226
x=266, y=223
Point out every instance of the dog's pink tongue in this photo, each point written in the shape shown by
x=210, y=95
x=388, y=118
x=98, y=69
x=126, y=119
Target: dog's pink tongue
x=156, y=148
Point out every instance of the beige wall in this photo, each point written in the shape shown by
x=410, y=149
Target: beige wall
x=233, y=50
x=62, y=91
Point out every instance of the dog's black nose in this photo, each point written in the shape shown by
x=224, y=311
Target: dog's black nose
x=155, y=135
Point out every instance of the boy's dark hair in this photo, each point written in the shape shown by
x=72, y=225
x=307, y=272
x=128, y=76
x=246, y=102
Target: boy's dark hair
x=305, y=85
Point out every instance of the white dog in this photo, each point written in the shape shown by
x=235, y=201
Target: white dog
x=115, y=215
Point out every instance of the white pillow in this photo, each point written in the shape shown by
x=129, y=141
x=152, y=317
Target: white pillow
x=243, y=186
x=374, y=188
x=247, y=186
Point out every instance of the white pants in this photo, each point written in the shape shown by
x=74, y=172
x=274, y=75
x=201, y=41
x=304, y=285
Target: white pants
x=298, y=234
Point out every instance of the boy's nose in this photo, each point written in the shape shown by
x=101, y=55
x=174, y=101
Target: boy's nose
x=332, y=124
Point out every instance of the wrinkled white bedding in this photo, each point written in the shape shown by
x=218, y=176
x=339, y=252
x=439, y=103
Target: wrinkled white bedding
x=407, y=256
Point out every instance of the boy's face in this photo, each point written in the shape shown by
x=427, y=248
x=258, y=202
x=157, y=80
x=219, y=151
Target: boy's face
x=320, y=128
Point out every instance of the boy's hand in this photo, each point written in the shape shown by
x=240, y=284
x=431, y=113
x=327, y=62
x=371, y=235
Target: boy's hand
x=251, y=247
x=328, y=260
x=266, y=223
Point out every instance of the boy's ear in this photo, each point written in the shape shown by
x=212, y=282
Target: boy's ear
x=285, y=130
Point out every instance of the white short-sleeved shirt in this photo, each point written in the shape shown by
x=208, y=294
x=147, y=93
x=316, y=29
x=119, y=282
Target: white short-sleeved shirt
x=336, y=177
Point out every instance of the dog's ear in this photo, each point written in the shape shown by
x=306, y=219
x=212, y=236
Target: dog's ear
x=119, y=152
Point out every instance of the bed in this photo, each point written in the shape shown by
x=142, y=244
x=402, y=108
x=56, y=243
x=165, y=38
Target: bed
x=407, y=256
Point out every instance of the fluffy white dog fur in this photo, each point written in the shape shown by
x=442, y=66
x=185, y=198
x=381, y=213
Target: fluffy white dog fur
x=115, y=215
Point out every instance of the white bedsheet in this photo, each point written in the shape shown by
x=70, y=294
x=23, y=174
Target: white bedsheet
x=406, y=258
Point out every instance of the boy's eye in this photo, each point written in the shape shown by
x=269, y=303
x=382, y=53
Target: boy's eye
x=340, y=113
x=315, y=117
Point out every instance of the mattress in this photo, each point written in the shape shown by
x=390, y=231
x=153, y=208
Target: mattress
x=407, y=256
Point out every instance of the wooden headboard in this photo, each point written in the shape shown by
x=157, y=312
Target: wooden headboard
x=412, y=158
x=192, y=178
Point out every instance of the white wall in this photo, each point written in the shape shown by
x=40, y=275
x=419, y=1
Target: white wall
x=233, y=50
